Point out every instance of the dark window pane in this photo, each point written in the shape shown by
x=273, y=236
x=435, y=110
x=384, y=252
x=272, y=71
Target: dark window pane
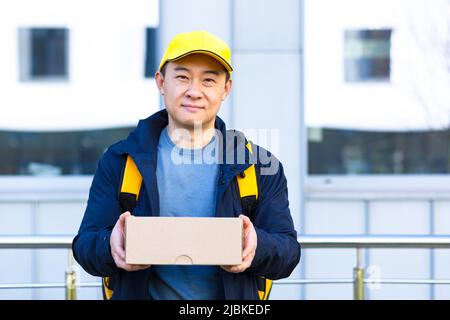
x=367, y=55
x=367, y=152
x=55, y=153
x=48, y=52
x=151, y=63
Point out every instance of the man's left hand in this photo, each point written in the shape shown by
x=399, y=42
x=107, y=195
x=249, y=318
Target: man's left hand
x=249, y=242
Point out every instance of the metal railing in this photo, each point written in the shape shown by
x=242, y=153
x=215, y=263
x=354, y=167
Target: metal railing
x=307, y=241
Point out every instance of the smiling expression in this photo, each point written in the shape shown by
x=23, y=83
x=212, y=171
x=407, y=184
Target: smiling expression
x=193, y=88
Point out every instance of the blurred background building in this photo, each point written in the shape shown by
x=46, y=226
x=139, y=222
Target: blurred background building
x=353, y=97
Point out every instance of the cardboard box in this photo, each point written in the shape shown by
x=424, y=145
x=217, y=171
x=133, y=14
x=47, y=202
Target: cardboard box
x=184, y=240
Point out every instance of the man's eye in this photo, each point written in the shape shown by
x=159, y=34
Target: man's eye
x=182, y=77
x=209, y=80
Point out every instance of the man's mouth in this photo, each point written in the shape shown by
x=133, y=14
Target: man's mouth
x=192, y=107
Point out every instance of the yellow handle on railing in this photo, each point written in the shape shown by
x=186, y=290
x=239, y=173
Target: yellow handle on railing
x=71, y=288
x=358, y=284
x=358, y=276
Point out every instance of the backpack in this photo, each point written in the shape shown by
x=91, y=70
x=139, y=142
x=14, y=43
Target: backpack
x=247, y=184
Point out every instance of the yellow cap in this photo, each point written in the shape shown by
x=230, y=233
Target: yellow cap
x=188, y=43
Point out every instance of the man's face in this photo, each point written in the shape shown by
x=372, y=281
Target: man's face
x=193, y=88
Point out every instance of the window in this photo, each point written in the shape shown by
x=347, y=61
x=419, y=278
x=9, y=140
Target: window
x=151, y=63
x=377, y=86
x=367, y=55
x=333, y=151
x=55, y=153
x=43, y=53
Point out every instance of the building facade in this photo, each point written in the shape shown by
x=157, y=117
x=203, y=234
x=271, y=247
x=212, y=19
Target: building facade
x=296, y=63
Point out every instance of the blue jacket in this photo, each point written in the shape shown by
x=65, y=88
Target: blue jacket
x=277, y=252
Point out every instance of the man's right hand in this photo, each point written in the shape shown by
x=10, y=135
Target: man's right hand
x=117, y=242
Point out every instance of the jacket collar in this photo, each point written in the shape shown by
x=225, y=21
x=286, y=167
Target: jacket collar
x=143, y=141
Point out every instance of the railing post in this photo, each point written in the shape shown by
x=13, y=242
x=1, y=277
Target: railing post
x=71, y=288
x=358, y=277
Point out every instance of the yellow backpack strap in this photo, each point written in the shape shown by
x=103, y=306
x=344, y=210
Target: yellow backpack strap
x=248, y=187
x=248, y=191
x=130, y=188
x=106, y=289
x=264, y=287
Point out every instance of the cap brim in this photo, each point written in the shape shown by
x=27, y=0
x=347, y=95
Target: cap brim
x=209, y=53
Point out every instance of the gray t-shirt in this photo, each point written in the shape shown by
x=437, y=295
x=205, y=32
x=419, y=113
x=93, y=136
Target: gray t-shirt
x=187, y=185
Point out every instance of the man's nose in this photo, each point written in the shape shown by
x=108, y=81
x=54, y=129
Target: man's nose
x=194, y=91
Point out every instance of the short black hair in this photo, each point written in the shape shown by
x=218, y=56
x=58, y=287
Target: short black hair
x=227, y=74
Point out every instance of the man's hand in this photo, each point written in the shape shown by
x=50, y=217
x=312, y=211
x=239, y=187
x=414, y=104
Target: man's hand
x=249, y=242
x=117, y=242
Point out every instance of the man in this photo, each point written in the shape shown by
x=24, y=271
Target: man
x=194, y=77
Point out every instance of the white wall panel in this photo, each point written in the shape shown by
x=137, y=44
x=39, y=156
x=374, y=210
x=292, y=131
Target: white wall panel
x=16, y=219
x=400, y=217
x=442, y=256
x=332, y=217
x=267, y=25
x=60, y=218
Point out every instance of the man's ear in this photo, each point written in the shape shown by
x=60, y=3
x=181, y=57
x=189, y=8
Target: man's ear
x=159, y=79
x=227, y=90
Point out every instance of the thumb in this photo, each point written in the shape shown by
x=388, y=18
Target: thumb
x=126, y=214
x=123, y=216
x=245, y=220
